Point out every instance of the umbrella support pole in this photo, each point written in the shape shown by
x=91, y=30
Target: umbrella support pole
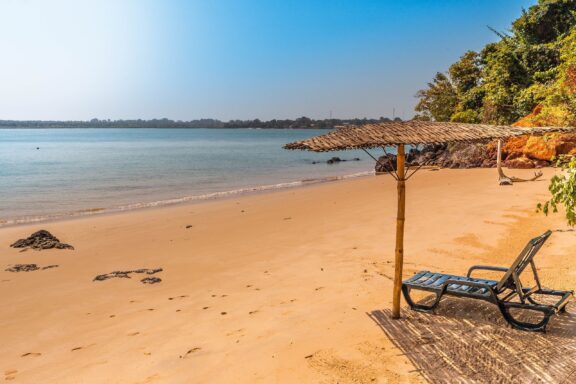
x=400, y=218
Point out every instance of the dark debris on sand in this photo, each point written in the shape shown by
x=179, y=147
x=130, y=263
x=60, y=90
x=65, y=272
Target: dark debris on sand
x=41, y=240
x=28, y=268
x=151, y=280
x=126, y=275
x=23, y=268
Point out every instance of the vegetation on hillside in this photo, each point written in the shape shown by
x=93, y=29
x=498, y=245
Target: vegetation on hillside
x=532, y=64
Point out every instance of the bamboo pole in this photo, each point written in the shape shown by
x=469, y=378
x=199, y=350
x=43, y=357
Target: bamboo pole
x=501, y=174
x=399, y=257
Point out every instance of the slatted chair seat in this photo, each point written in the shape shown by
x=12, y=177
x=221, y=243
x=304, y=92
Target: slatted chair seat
x=430, y=281
x=507, y=293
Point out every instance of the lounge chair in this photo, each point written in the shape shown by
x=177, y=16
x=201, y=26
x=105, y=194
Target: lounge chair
x=508, y=293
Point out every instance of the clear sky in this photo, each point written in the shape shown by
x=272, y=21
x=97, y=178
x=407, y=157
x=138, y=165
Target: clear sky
x=228, y=59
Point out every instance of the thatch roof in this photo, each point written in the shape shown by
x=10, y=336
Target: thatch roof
x=411, y=132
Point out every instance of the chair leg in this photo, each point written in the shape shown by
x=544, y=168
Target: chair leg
x=420, y=307
x=534, y=327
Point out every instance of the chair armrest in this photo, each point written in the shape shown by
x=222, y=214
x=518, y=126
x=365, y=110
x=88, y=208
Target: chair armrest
x=486, y=268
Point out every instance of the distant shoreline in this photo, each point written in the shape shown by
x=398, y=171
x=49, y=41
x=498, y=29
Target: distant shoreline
x=299, y=123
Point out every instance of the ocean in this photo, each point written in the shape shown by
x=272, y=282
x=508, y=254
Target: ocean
x=52, y=173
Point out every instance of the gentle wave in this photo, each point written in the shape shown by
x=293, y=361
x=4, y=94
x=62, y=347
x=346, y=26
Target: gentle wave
x=179, y=200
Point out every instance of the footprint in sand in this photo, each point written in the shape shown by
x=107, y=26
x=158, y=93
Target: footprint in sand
x=190, y=351
x=177, y=297
x=10, y=374
x=236, y=332
x=31, y=354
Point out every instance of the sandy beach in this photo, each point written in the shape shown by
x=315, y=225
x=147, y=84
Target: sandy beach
x=267, y=288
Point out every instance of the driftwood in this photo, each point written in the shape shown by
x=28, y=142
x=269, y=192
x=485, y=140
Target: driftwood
x=509, y=180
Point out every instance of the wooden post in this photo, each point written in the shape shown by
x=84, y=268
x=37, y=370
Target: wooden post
x=399, y=259
x=499, y=160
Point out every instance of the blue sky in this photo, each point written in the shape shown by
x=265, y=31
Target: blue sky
x=228, y=59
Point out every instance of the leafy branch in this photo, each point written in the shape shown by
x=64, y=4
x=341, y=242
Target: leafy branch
x=563, y=190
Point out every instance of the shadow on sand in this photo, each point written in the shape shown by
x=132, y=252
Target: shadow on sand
x=469, y=342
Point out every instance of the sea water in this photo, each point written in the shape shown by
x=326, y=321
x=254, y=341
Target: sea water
x=50, y=173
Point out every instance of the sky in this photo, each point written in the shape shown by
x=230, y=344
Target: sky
x=232, y=59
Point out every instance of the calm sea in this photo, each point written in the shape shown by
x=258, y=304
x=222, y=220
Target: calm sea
x=48, y=173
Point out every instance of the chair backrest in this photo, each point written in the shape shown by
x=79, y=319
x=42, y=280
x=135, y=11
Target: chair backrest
x=523, y=259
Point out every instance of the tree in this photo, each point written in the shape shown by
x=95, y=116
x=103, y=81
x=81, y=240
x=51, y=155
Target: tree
x=439, y=100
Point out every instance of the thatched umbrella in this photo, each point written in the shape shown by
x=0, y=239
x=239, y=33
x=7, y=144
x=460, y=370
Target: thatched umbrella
x=400, y=134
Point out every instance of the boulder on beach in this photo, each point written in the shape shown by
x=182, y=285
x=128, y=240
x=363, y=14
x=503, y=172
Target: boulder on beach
x=41, y=240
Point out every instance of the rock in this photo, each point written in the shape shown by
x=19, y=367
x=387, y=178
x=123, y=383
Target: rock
x=335, y=160
x=514, y=147
x=41, y=240
x=459, y=155
x=23, y=268
x=386, y=163
x=541, y=163
x=549, y=146
x=520, y=162
x=545, y=147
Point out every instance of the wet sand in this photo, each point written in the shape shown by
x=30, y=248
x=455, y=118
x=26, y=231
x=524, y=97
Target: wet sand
x=269, y=288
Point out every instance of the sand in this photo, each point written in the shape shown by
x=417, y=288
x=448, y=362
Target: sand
x=267, y=288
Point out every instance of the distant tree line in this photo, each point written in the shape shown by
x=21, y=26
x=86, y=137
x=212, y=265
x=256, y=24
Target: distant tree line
x=301, y=122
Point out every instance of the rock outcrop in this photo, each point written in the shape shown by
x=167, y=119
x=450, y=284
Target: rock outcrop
x=540, y=150
x=445, y=156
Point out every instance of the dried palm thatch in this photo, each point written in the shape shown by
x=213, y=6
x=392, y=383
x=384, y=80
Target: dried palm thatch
x=411, y=132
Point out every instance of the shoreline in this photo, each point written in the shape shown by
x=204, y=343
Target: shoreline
x=193, y=199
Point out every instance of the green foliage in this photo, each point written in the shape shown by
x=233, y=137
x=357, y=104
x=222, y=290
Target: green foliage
x=466, y=72
x=439, y=101
x=467, y=116
x=533, y=64
x=546, y=21
x=563, y=190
